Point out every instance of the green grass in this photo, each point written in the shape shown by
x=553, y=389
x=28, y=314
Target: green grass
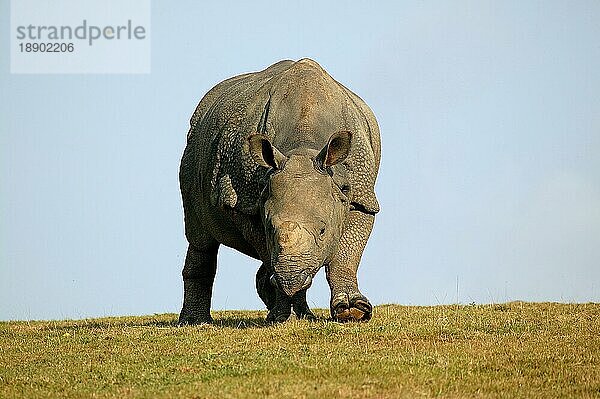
x=509, y=350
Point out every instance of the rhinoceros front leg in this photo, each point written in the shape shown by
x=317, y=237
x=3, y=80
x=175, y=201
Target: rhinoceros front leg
x=198, y=277
x=347, y=302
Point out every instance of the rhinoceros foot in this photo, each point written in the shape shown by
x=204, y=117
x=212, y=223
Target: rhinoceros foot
x=188, y=318
x=282, y=309
x=301, y=308
x=303, y=312
x=278, y=315
x=350, y=307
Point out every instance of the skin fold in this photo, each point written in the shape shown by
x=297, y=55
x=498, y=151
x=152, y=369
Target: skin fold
x=280, y=165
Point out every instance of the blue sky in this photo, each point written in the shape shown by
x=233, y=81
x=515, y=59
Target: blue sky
x=490, y=173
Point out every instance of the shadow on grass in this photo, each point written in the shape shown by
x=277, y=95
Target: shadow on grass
x=233, y=321
x=241, y=322
x=253, y=322
x=100, y=324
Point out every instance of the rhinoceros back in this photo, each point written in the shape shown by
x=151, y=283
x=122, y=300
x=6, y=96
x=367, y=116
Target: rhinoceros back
x=295, y=104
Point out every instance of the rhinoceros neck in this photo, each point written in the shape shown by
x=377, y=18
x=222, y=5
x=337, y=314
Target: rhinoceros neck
x=305, y=107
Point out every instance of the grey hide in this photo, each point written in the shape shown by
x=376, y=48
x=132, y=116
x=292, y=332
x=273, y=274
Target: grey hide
x=280, y=165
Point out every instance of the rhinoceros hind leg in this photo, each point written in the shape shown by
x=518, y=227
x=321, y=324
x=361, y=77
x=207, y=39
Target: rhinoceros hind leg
x=198, y=277
x=282, y=309
x=268, y=294
x=265, y=289
x=301, y=308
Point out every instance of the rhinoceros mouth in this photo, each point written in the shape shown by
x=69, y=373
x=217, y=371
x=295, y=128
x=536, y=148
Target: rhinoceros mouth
x=291, y=286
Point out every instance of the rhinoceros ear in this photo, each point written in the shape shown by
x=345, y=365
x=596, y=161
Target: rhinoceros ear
x=264, y=153
x=336, y=150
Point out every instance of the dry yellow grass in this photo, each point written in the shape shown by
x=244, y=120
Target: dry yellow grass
x=510, y=350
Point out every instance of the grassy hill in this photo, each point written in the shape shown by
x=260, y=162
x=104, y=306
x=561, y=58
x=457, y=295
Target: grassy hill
x=509, y=350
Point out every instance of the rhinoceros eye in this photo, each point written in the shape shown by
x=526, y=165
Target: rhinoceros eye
x=322, y=228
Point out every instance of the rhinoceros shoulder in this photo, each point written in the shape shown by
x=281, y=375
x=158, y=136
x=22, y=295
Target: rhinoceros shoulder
x=216, y=93
x=223, y=120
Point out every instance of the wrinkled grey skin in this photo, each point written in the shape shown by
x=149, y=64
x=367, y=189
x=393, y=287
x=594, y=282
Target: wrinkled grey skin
x=281, y=165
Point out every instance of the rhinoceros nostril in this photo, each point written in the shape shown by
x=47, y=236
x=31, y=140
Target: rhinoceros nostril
x=307, y=282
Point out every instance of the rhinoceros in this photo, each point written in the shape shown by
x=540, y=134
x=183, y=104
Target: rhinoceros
x=280, y=165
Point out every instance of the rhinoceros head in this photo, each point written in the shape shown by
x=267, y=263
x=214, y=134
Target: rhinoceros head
x=303, y=207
